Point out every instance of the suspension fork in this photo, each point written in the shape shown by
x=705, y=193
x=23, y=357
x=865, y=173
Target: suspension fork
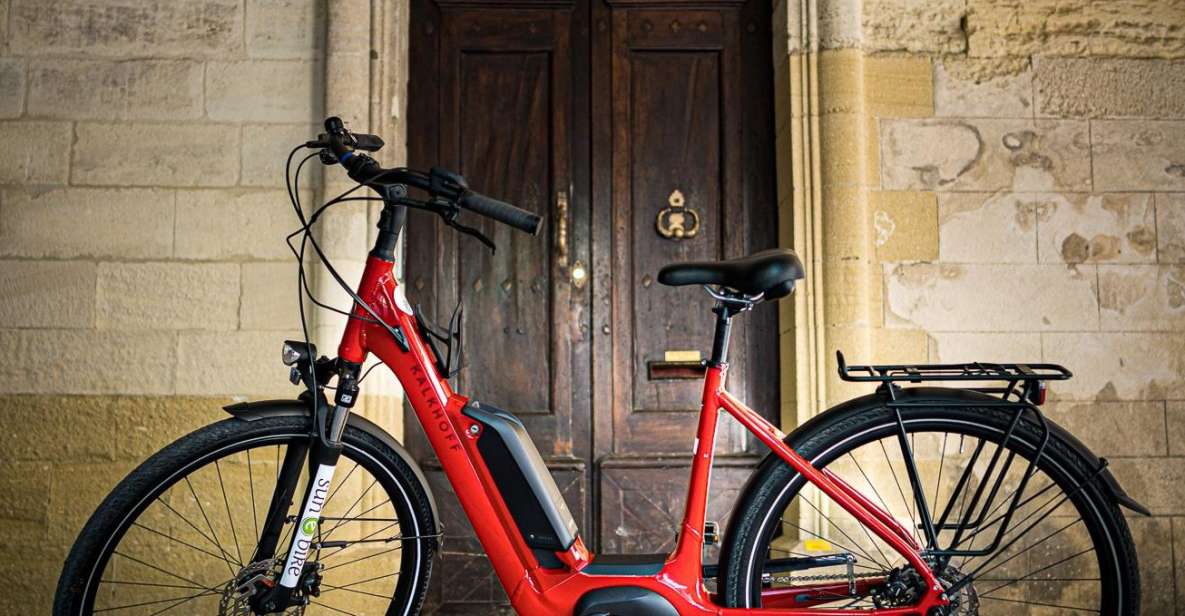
x=322, y=453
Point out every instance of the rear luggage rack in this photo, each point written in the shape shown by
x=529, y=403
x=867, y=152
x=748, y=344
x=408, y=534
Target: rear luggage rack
x=975, y=371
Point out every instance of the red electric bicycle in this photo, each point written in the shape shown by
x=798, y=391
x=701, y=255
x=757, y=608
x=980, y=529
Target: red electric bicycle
x=911, y=500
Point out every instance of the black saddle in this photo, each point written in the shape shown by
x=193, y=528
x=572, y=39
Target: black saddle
x=769, y=273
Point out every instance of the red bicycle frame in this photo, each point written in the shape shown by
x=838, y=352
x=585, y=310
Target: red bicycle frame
x=534, y=590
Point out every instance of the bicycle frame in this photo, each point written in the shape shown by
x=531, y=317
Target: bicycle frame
x=536, y=590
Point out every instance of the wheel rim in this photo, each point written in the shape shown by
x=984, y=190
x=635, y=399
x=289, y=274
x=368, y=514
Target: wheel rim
x=1039, y=572
x=208, y=530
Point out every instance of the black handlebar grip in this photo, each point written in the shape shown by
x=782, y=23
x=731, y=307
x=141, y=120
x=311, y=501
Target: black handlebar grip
x=500, y=211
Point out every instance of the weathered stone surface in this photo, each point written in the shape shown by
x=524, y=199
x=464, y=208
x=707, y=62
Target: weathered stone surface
x=1119, y=366
x=25, y=509
x=118, y=427
x=266, y=148
x=269, y=297
x=905, y=225
x=111, y=28
x=969, y=88
x=1139, y=28
x=988, y=298
x=233, y=224
x=163, y=154
x=1110, y=88
x=1170, y=227
x=285, y=28
x=86, y=222
x=12, y=87
x=47, y=294
x=101, y=90
x=989, y=227
x=898, y=87
x=963, y=155
x=1142, y=297
x=263, y=91
x=1138, y=155
x=1175, y=411
x=127, y=362
x=247, y=363
x=950, y=347
x=1154, y=544
x=1099, y=228
x=141, y=296
x=1113, y=428
x=34, y=152
x=1160, y=482
x=906, y=25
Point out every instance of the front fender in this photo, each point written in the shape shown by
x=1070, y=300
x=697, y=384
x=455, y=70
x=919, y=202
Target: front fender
x=253, y=411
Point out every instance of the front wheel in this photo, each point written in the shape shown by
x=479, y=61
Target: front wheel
x=178, y=535
x=1066, y=548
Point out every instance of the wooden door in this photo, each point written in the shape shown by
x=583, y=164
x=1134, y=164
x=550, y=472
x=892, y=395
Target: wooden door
x=496, y=94
x=609, y=107
x=688, y=123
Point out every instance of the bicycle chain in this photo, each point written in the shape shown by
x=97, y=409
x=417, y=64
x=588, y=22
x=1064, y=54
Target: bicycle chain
x=824, y=577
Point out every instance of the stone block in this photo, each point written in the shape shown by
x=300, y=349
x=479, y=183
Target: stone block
x=263, y=91
x=25, y=508
x=121, y=28
x=104, y=90
x=1170, y=227
x=954, y=347
x=978, y=227
x=234, y=224
x=985, y=155
x=1138, y=155
x=132, y=223
x=1157, y=483
x=266, y=148
x=1142, y=297
x=986, y=298
x=1109, y=88
x=1154, y=544
x=156, y=154
x=12, y=87
x=61, y=361
x=898, y=87
x=1175, y=411
x=1118, y=366
x=75, y=491
x=905, y=225
x=285, y=28
x=34, y=152
x=1098, y=228
x=47, y=294
x=139, y=296
x=1114, y=428
x=233, y=363
x=920, y=27
x=1139, y=28
x=972, y=88
x=269, y=299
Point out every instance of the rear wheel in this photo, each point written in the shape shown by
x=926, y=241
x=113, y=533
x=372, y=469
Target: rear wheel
x=178, y=535
x=1066, y=547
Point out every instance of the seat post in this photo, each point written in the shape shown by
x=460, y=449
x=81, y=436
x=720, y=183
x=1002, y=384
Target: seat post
x=724, y=313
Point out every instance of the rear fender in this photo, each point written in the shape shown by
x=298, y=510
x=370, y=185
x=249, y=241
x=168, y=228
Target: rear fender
x=254, y=411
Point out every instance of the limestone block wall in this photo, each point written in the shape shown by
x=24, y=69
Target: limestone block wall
x=144, y=280
x=1001, y=181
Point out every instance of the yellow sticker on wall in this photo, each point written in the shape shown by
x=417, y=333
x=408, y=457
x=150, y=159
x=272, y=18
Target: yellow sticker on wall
x=682, y=356
x=816, y=545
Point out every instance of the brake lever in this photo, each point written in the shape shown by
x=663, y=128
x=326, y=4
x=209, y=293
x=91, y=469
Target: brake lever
x=470, y=231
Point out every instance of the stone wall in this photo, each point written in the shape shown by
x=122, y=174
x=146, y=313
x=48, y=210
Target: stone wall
x=1001, y=181
x=142, y=214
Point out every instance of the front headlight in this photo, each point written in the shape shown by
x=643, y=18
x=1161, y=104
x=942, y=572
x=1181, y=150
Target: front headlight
x=294, y=352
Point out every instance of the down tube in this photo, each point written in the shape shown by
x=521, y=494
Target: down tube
x=772, y=437
x=439, y=412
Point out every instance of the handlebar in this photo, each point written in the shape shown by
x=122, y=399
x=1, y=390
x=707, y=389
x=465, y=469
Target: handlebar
x=440, y=183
